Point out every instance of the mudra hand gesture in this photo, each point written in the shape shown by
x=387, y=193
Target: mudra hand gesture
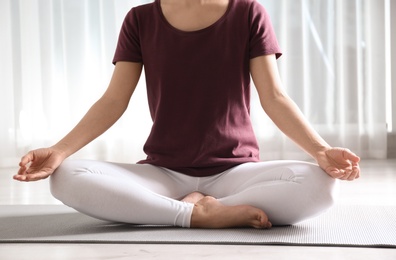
x=340, y=163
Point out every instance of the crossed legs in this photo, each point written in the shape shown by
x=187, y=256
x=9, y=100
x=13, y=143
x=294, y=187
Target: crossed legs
x=284, y=192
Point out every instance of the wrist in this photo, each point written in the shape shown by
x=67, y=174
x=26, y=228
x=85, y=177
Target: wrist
x=61, y=149
x=320, y=151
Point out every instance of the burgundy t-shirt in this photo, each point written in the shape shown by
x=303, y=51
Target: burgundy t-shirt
x=198, y=85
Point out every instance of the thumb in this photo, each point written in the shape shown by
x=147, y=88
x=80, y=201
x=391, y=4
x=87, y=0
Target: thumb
x=347, y=154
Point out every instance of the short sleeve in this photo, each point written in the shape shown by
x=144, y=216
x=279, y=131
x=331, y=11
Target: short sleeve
x=263, y=40
x=128, y=46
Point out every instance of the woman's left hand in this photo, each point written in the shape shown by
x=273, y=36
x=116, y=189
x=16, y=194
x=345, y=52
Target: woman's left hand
x=339, y=163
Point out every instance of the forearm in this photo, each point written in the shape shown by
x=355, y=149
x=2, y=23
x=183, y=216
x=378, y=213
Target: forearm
x=337, y=162
x=99, y=118
x=106, y=111
x=289, y=119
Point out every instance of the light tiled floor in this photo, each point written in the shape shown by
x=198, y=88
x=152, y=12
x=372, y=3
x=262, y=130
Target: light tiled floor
x=377, y=186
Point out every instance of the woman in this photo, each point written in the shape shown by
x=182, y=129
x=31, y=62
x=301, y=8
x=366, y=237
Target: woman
x=202, y=167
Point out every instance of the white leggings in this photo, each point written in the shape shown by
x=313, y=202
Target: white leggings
x=287, y=191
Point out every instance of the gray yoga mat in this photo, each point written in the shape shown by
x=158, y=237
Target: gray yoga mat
x=353, y=226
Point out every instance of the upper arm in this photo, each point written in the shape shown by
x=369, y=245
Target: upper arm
x=123, y=82
x=265, y=75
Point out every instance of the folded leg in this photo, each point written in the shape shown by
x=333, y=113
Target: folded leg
x=287, y=191
x=130, y=193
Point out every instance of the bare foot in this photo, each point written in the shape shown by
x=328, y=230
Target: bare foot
x=210, y=213
x=193, y=197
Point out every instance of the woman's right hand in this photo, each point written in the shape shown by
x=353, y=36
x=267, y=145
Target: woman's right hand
x=39, y=164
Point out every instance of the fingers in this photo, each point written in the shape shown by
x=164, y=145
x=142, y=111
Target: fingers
x=335, y=173
x=32, y=176
x=26, y=173
x=348, y=174
x=20, y=177
x=347, y=168
x=25, y=163
x=38, y=164
x=23, y=167
x=355, y=170
x=351, y=174
x=25, y=160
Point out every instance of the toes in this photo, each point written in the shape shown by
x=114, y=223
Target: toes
x=262, y=221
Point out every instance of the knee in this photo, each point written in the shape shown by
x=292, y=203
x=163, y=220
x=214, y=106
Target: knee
x=315, y=195
x=321, y=189
x=59, y=181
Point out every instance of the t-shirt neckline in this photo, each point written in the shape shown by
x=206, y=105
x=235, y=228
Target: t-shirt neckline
x=163, y=18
